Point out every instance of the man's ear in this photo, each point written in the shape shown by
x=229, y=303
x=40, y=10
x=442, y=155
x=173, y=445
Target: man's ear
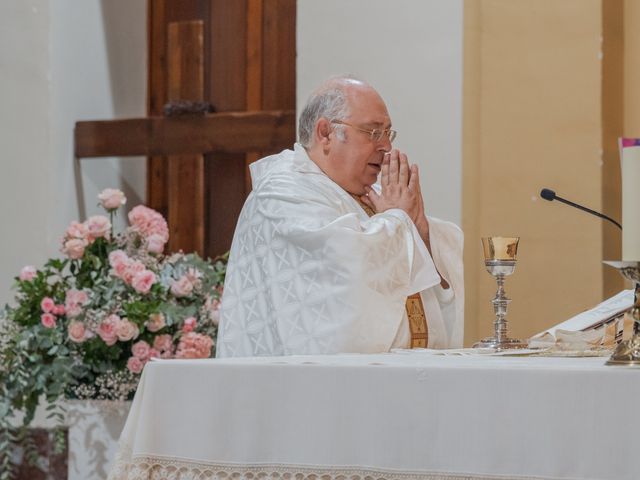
x=323, y=131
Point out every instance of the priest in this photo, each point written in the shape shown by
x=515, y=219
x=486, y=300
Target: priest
x=324, y=259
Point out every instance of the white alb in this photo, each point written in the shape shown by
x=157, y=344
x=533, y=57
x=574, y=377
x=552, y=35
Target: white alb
x=311, y=273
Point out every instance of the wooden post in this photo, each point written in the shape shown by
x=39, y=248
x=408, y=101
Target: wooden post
x=185, y=79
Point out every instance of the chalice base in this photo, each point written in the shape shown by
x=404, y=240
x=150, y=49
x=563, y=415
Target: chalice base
x=627, y=352
x=504, y=344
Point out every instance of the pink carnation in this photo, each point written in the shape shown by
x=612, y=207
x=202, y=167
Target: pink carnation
x=135, y=365
x=111, y=198
x=76, y=331
x=141, y=350
x=107, y=329
x=194, y=345
x=48, y=320
x=58, y=310
x=98, y=226
x=47, y=305
x=164, y=345
x=142, y=281
x=28, y=273
x=126, y=330
x=148, y=222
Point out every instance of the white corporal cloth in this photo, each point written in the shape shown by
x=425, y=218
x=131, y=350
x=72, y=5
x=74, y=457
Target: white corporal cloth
x=310, y=273
x=397, y=415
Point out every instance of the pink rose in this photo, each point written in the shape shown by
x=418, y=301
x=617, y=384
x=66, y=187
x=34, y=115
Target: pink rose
x=107, y=329
x=142, y=281
x=163, y=344
x=74, y=299
x=181, y=287
x=76, y=296
x=194, y=345
x=48, y=320
x=135, y=365
x=98, y=226
x=153, y=353
x=119, y=263
x=148, y=222
x=213, y=307
x=76, y=230
x=28, y=273
x=126, y=330
x=189, y=324
x=58, y=310
x=74, y=248
x=156, y=322
x=132, y=268
x=117, y=257
x=141, y=350
x=155, y=243
x=47, y=305
x=111, y=198
x=76, y=331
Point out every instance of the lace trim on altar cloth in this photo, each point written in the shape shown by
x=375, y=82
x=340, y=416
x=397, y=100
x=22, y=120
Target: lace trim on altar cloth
x=164, y=468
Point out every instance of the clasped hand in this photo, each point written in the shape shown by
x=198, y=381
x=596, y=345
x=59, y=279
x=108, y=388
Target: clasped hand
x=400, y=184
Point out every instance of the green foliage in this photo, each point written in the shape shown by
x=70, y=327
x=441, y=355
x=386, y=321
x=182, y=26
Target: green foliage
x=39, y=360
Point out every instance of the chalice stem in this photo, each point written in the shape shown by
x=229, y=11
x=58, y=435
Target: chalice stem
x=500, y=303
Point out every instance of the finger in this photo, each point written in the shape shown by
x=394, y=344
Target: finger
x=385, y=170
x=394, y=167
x=367, y=201
x=371, y=194
x=414, y=179
x=403, y=176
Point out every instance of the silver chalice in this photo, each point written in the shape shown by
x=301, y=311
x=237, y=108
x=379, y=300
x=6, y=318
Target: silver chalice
x=500, y=261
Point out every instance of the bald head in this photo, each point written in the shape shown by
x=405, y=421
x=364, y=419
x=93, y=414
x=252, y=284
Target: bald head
x=330, y=101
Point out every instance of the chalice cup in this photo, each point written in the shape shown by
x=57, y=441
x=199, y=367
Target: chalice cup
x=500, y=261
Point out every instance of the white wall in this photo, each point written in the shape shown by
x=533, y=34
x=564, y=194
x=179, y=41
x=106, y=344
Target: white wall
x=62, y=61
x=411, y=51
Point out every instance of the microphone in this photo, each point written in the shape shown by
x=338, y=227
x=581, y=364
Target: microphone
x=551, y=196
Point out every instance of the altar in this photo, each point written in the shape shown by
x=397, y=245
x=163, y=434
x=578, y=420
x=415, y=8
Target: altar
x=408, y=415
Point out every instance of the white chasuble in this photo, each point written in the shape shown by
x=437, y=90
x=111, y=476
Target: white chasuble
x=311, y=273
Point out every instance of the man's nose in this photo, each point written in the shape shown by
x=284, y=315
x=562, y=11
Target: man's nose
x=385, y=143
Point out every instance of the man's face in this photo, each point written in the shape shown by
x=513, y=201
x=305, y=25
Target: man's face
x=356, y=161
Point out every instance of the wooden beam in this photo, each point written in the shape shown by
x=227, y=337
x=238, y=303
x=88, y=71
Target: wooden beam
x=222, y=132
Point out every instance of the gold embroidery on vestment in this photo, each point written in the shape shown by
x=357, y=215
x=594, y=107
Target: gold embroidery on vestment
x=418, y=324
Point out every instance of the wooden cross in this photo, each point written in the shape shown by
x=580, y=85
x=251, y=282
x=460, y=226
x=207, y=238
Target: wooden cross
x=186, y=140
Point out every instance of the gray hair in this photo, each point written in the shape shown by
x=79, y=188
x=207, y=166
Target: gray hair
x=328, y=101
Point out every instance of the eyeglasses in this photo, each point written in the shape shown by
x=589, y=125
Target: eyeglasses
x=376, y=134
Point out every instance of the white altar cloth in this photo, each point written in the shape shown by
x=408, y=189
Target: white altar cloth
x=403, y=415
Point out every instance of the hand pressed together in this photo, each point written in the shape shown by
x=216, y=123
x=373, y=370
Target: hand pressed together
x=400, y=184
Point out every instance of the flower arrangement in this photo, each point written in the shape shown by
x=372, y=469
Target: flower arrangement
x=84, y=326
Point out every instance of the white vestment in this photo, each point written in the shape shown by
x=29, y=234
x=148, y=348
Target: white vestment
x=311, y=273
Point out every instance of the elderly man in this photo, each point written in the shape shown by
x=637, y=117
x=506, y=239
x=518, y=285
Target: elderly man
x=324, y=261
